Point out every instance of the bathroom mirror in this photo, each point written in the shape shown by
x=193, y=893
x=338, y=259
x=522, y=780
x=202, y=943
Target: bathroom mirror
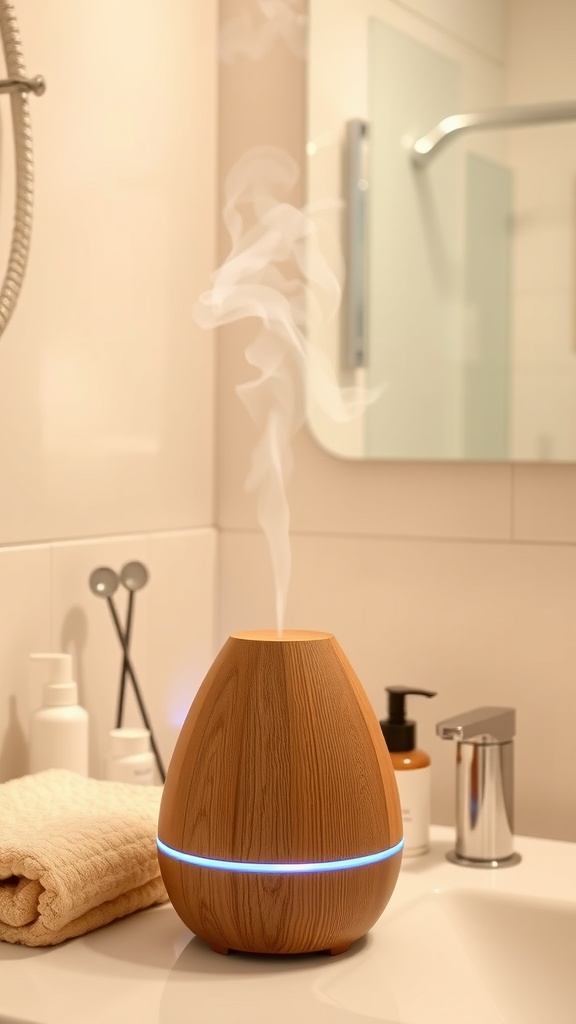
x=458, y=305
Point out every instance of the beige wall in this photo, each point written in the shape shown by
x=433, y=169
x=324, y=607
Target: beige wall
x=460, y=578
x=106, y=385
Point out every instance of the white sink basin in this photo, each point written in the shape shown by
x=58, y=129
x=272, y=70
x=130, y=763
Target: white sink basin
x=454, y=946
x=454, y=955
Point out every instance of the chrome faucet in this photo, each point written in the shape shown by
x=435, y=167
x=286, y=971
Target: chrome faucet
x=484, y=786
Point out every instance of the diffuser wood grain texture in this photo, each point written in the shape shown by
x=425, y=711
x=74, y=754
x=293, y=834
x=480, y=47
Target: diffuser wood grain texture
x=280, y=760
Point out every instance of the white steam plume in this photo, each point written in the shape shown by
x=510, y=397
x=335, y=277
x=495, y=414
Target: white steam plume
x=240, y=37
x=276, y=271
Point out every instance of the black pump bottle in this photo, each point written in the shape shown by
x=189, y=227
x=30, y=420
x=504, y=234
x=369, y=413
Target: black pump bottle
x=412, y=768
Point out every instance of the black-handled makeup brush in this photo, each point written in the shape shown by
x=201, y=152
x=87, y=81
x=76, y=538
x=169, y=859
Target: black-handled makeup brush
x=133, y=576
x=104, y=583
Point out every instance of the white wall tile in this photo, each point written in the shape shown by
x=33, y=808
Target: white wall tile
x=478, y=623
x=172, y=642
x=182, y=641
x=83, y=626
x=545, y=503
x=25, y=616
x=106, y=384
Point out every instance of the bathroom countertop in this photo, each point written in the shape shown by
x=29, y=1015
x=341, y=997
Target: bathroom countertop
x=150, y=969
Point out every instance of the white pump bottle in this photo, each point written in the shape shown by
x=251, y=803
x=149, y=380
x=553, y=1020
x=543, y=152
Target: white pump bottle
x=59, y=729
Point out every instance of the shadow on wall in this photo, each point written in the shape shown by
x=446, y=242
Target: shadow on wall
x=14, y=748
x=73, y=639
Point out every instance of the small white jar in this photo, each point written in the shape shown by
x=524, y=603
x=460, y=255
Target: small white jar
x=130, y=757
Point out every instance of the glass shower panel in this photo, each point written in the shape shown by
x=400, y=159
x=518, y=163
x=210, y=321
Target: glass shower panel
x=438, y=290
x=487, y=317
x=415, y=240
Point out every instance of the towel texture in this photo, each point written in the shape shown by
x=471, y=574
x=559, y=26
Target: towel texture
x=75, y=854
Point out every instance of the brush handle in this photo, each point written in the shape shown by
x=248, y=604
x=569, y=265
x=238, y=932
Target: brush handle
x=127, y=634
x=137, y=694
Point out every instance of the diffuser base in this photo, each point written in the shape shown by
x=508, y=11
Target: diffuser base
x=342, y=947
x=289, y=913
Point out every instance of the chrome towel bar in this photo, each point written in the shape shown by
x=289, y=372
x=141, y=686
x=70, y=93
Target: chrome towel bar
x=505, y=117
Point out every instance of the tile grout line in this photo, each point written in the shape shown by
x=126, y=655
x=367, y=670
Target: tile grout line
x=512, y=502
x=407, y=538
x=105, y=537
x=51, y=576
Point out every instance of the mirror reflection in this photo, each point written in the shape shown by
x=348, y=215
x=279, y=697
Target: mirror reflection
x=459, y=299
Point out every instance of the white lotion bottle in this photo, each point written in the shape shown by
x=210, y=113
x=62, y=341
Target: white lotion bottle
x=59, y=728
x=412, y=770
x=130, y=757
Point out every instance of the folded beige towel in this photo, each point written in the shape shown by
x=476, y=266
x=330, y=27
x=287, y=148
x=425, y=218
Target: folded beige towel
x=75, y=854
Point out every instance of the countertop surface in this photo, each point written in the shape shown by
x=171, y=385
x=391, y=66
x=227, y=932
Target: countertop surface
x=150, y=969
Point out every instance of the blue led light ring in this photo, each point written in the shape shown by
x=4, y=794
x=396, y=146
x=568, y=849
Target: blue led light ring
x=255, y=867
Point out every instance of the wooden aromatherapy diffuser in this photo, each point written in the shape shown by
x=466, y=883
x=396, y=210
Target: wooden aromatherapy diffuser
x=280, y=828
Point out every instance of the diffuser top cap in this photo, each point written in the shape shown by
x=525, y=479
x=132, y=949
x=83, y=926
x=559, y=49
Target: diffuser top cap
x=286, y=636
x=400, y=732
